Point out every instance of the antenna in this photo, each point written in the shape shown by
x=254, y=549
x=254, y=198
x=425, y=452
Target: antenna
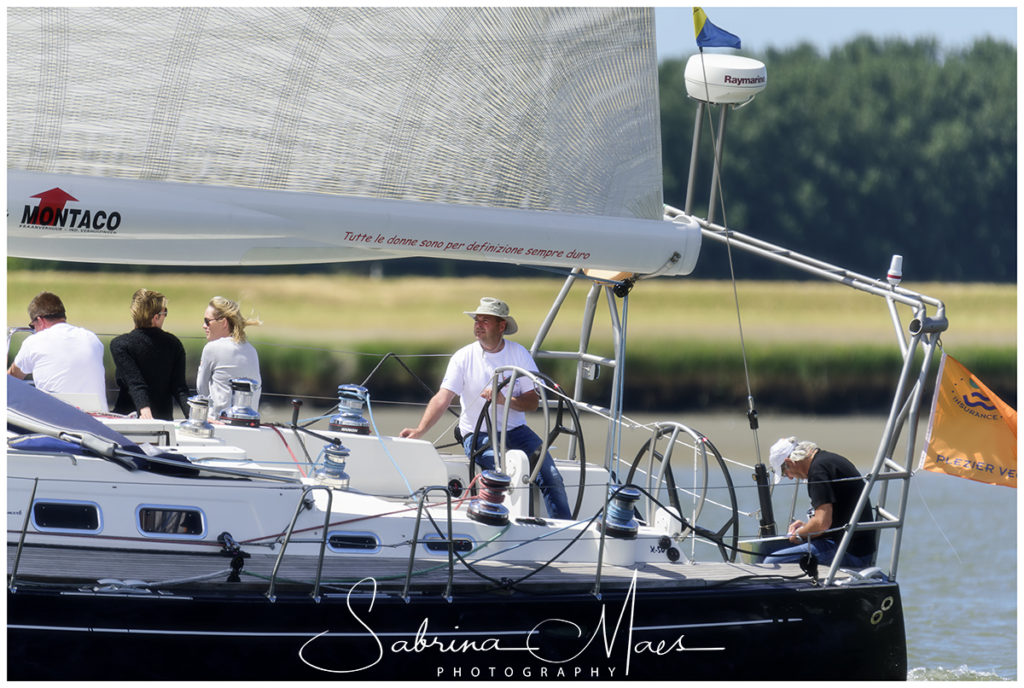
x=717, y=79
x=895, y=274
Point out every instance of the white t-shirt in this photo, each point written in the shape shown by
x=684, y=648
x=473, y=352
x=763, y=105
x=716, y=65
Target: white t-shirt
x=222, y=360
x=64, y=359
x=469, y=373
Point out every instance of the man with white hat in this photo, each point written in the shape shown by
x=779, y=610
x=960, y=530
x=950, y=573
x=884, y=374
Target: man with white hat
x=834, y=485
x=469, y=376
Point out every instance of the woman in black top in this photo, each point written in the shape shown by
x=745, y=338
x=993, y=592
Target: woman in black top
x=150, y=362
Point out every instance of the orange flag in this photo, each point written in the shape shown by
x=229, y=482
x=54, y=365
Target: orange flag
x=972, y=433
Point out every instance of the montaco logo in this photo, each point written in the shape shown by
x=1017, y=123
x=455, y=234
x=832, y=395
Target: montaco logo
x=744, y=80
x=52, y=212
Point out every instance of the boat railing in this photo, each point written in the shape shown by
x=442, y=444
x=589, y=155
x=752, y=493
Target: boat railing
x=11, y=331
x=302, y=505
x=924, y=329
x=420, y=508
x=11, y=584
x=811, y=265
x=299, y=507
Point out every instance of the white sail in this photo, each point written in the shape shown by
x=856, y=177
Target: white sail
x=280, y=135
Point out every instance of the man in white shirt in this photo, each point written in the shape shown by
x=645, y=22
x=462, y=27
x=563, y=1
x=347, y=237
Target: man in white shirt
x=61, y=358
x=469, y=377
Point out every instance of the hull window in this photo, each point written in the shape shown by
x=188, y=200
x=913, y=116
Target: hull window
x=363, y=543
x=171, y=521
x=435, y=543
x=63, y=516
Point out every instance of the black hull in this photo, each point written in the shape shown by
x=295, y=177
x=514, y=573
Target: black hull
x=739, y=632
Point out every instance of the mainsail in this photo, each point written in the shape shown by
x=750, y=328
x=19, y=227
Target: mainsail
x=278, y=135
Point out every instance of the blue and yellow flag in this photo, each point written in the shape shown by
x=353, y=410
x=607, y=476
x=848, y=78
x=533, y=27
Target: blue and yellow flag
x=709, y=35
x=972, y=433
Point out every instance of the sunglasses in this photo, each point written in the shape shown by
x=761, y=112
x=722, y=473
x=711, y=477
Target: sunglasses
x=207, y=321
x=32, y=322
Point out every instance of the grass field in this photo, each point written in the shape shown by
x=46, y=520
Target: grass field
x=810, y=347
x=346, y=310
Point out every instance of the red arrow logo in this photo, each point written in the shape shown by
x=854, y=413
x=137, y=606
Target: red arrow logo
x=51, y=203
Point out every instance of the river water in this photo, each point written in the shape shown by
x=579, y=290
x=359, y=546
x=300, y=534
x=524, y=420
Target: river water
x=958, y=563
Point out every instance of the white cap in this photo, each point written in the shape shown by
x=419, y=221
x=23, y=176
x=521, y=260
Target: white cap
x=778, y=454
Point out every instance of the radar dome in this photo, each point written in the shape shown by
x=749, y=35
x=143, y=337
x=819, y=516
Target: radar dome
x=718, y=78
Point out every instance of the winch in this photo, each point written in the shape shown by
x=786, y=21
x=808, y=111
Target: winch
x=241, y=411
x=619, y=522
x=487, y=507
x=197, y=424
x=351, y=400
x=333, y=469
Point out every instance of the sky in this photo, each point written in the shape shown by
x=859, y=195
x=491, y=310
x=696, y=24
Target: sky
x=760, y=26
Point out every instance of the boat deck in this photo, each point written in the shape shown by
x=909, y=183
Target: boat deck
x=94, y=567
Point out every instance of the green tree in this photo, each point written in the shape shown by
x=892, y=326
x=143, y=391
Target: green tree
x=878, y=148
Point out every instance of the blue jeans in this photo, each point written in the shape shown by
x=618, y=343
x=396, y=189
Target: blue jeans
x=822, y=548
x=548, y=479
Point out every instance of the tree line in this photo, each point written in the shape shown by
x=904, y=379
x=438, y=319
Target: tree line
x=877, y=148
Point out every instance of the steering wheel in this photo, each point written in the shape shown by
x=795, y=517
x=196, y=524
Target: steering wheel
x=673, y=492
x=575, y=429
x=475, y=450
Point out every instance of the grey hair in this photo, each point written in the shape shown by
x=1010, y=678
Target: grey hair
x=802, y=451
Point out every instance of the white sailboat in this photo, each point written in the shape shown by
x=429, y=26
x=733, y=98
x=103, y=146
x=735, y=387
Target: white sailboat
x=207, y=136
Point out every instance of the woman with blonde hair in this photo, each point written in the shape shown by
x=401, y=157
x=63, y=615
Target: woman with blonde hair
x=150, y=362
x=227, y=354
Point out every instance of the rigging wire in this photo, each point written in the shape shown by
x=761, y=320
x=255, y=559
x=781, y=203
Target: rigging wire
x=384, y=446
x=717, y=186
x=938, y=526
